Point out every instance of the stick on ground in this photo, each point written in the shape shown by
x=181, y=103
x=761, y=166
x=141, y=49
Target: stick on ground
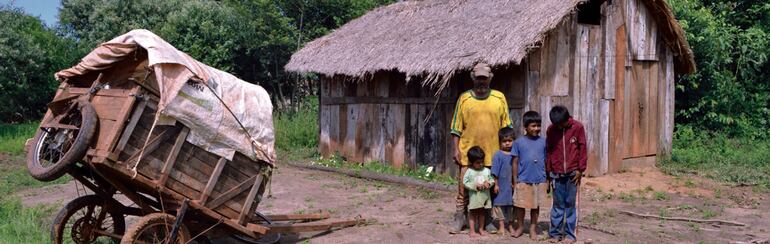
x=709, y=221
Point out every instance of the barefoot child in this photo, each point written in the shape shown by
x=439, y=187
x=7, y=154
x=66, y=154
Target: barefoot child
x=567, y=157
x=502, y=203
x=477, y=181
x=529, y=167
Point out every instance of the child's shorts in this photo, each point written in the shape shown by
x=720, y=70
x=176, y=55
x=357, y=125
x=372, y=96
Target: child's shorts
x=530, y=196
x=502, y=213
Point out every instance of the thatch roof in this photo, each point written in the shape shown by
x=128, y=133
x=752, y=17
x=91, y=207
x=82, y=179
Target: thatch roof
x=436, y=38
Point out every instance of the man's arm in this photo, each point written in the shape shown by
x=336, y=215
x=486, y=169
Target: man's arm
x=456, y=142
x=582, y=149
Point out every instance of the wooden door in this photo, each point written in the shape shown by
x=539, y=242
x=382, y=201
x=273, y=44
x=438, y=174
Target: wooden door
x=634, y=131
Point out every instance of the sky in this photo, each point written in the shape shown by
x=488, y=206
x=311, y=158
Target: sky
x=47, y=10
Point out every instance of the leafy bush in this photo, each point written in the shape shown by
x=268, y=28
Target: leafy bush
x=717, y=156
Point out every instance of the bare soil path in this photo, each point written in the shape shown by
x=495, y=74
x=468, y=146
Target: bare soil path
x=405, y=214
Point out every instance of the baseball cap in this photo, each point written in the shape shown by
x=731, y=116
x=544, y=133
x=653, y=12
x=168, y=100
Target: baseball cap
x=481, y=70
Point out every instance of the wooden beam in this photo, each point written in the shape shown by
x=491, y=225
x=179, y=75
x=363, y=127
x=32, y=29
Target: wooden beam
x=131, y=125
x=305, y=217
x=246, y=211
x=155, y=142
x=171, y=159
x=212, y=180
x=230, y=194
x=313, y=226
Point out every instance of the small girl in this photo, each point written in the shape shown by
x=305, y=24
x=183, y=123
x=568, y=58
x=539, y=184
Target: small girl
x=478, y=179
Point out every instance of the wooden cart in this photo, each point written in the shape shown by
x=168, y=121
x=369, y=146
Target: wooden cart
x=100, y=125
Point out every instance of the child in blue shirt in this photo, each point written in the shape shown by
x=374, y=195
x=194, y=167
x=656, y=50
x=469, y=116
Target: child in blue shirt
x=530, y=181
x=502, y=203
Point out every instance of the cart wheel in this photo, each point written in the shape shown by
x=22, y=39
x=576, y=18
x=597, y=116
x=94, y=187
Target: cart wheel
x=155, y=228
x=53, y=150
x=269, y=238
x=88, y=219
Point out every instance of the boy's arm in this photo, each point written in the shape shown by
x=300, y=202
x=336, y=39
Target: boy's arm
x=582, y=150
x=515, y=171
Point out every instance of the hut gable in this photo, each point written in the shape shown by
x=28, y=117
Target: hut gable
x=435, y=38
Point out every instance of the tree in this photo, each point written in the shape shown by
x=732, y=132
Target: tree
x=30, y=54
x=731, y=90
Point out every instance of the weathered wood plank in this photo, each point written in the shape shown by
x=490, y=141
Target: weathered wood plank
x=171, y=159
x=131, y=125
x=618, y=118
x=666, y=104
x=213, y=180
x=229, y=194
x=250, y=199
x=642, y=31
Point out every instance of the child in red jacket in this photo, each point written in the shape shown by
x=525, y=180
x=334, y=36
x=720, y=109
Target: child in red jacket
x=566, y=156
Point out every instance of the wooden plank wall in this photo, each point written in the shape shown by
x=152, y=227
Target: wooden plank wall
x=390, y=120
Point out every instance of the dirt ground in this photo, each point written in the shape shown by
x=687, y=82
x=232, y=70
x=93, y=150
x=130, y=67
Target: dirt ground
x=402, y=214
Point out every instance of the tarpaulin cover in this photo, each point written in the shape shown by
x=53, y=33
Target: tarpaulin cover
x=185, y=95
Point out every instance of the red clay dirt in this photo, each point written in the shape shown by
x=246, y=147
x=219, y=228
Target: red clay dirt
x=402, y=214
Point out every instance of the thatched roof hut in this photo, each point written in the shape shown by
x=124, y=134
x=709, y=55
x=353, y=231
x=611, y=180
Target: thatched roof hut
x=544, y=52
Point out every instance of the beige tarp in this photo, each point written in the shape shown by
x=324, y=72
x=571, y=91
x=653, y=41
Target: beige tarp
x=212, y=127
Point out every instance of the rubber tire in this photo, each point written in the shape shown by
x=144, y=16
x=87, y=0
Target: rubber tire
x=118, y=220
x=183, y=235
x=73, y=155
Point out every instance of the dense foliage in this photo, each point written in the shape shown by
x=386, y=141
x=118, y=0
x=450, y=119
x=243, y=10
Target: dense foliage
x=730, y=93
x=30, y=53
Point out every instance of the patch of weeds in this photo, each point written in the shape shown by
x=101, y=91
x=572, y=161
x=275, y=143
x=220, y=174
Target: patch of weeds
x=299, y=211
x=626, y=197
x=689, y=183
x=439, y=210
x=594, y=218
x=363, y=189
x=24, y=224
x=708, y=213
x=331, y=210
x=13, y=136
x=402, y=194
x=663, y=212
x=717, y=193
x=428, y=194
x=661, y=196
x=423, y=172
x=308, y=199
x=694, y=226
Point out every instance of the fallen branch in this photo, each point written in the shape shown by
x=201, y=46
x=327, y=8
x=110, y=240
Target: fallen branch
x=709, y=221
x=598, y=229
x=364, y=174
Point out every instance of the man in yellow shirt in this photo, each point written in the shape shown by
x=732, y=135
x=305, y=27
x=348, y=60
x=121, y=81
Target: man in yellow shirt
x=479, y=114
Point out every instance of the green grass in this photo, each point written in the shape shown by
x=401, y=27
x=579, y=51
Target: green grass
x=420, y=173
x=24, y=224
x=297, y=130
x=715, y=156
x=13, y=136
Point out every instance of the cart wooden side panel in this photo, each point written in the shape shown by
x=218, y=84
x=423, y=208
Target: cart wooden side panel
x=212, y=182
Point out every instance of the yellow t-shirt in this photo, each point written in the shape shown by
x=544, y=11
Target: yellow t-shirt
x=477, y=121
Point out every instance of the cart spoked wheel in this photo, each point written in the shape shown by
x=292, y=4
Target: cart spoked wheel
x=59, y=144
x=269, y=238
x=155, y=228
x=88, y=219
